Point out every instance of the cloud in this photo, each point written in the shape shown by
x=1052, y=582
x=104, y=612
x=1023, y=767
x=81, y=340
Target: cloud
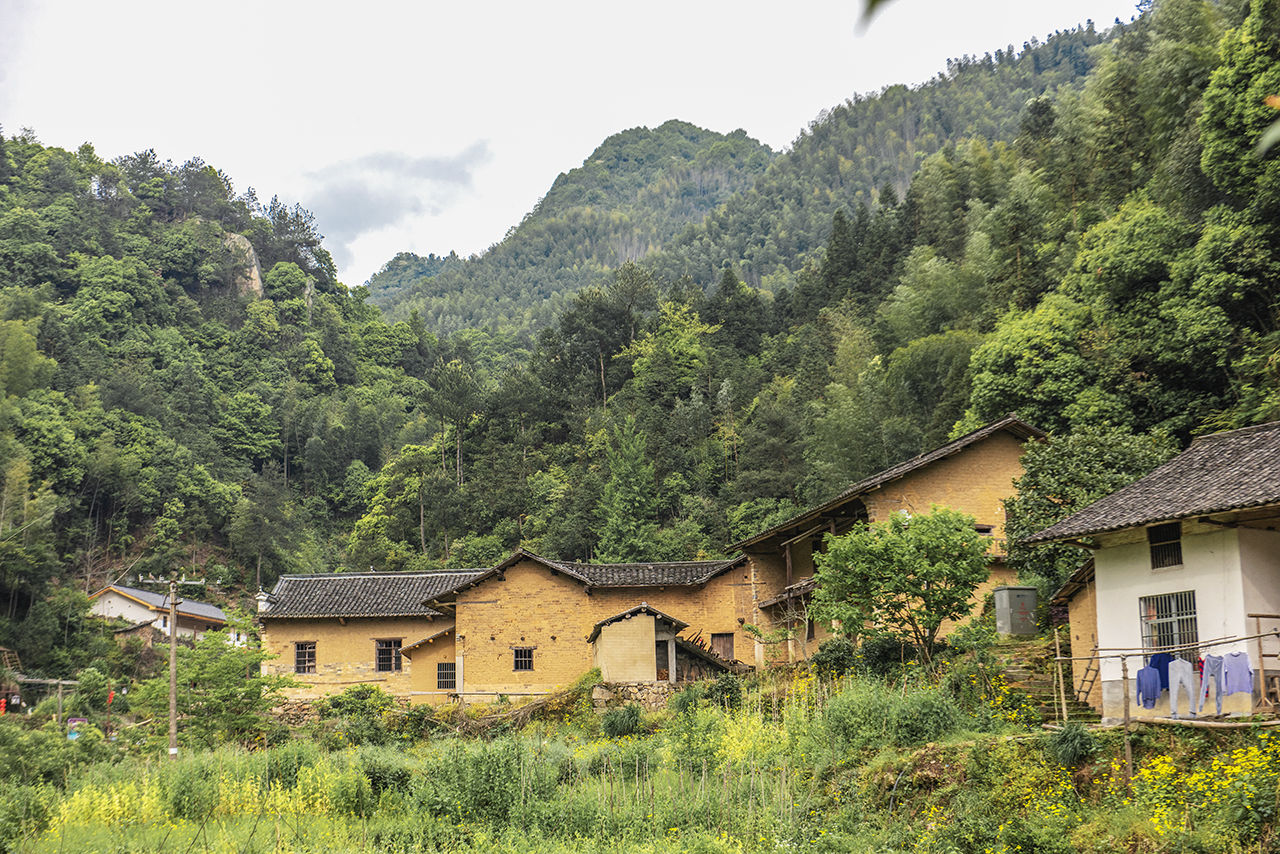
x=13, y=18
x=354, y=197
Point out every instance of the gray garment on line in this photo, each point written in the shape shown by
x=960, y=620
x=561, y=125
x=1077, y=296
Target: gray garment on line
x=1212, y=676
x=1182, y=675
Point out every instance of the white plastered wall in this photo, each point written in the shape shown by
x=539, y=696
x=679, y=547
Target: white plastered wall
x=1260, y=559
x=1210, y=568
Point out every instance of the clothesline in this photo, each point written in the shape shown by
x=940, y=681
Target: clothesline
x=1133, y=652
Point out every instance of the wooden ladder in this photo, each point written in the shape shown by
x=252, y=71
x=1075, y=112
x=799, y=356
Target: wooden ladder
x=9, y=660
x=1087, y=678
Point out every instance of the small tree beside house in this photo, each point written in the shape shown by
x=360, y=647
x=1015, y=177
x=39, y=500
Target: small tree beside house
x=903, y=578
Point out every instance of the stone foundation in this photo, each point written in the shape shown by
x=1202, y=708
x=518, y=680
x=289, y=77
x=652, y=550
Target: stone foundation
x=650, y=695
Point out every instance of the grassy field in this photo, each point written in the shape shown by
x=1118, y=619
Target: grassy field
x=952, y=761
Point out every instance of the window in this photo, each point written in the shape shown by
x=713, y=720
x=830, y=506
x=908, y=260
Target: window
x=1169, y=621
x=722, y=645
x=1166, y=545
x=304, y=657
x=447, y=676
x=388, y=657
x=524, y=658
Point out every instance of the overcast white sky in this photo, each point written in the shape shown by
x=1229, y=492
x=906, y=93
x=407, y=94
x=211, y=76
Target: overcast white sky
x=429, y=126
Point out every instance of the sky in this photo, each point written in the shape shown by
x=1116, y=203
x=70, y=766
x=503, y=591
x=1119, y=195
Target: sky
x=431, y=127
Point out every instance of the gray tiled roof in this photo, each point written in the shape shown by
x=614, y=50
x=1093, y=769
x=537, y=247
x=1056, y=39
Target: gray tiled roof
x=1233, y=470
x=1009, y=423
x=363, y=594
x=160, y=602
x=660, y=574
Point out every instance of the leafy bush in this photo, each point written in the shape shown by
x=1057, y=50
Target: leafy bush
x=358, y=715
x=869, y=714
x=725, y=691
x=24, y=811
x=284, y=762
x=190, y=790
x=1071, y=745
x=835, y=657
x=621, y=721
x=386, y=769
x=686, y=700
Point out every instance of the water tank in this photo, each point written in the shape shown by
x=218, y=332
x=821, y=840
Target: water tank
x=1015, y=610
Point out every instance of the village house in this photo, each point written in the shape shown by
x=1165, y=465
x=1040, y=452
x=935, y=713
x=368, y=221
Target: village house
x=334, y=630
x=533, y=624
x=146, y=612
x=1185, y=565
x=973, y=474
x=523, y=628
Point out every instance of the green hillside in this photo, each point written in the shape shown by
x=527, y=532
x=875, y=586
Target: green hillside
x=1111, y=273
x=633, y=194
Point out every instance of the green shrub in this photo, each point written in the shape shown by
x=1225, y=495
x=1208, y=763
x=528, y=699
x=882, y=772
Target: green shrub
x=1071, y=745
x=24, y=811
x=621, y=721
x=835, y=657
x=284, y=762
x=386, y=769
x=868, y=714
x=725, y=691
x=190, y=789
x=686, y=700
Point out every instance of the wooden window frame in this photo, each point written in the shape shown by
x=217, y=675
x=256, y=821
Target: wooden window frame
x=300, y=665
x=522, y=655
x=447, y=682
x=387, y=648
x=1165, y=542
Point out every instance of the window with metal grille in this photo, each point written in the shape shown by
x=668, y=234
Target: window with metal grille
x=388, y=656
x=1169, y=621
x=524, y=658
x=447, y=676
x=304, y=657
x=1166, y=545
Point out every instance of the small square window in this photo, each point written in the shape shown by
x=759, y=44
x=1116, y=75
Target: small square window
x=388, y=657
x=1166, y=545
x=447, y=676
x=304, y=657
x=524, y=658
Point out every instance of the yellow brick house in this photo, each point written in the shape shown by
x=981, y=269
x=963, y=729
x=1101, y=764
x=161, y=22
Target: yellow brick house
x=973, y=474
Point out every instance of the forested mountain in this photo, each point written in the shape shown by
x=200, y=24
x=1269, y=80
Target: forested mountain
x=632, y=195
x=766, y=223
x=1112, y=271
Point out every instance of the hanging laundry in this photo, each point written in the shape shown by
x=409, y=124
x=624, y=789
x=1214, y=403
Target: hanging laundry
x=1212, y=676
x=1160, y=661
x=1237, y=675
x=1181, y=676
x=1148, y=687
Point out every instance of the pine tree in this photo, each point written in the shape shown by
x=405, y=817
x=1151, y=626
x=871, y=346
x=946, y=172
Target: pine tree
x=628, y=506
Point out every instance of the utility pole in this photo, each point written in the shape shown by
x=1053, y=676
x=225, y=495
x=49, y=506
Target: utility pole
x=173, y=582
x=173, y=667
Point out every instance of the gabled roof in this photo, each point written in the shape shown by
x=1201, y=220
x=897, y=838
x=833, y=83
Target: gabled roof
x=408, y=650
x=657, y=574
x=1078, y=581
x=642, y=608
x=159, y=602
x=1009, y=424
x=363, y=594
x=1219, y=473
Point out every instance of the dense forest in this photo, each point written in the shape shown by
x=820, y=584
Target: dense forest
x=1084, y=235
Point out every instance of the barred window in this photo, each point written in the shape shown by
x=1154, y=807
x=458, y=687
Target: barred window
x=388, y=656
x=524, y=658
x=304, y=657
x=1166, y=545
x=447, y=676
x=1169, y=621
